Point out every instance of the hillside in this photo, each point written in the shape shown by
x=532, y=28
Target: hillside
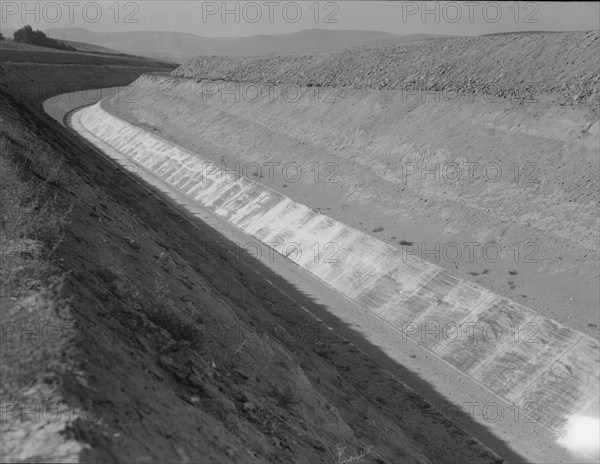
x=560, y=68
x=176, y=46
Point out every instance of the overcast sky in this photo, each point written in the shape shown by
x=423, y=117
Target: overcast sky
x=207, y=18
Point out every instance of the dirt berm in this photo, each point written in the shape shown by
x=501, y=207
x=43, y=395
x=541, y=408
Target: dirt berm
x=561, y=67
x=502, y=191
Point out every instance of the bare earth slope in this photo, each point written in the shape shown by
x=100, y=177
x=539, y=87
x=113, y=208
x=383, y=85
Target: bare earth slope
x=560, y=67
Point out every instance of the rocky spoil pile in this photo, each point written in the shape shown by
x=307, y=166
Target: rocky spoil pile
x=560, y=68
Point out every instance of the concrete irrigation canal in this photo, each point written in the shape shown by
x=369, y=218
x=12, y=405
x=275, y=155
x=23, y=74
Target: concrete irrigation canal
x=544, y=374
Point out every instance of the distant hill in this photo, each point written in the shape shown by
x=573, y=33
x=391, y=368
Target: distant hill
x=178, y=46
x=86, y=47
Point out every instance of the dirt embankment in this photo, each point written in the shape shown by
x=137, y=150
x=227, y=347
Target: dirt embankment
x=558, y=67
x=177, y=351
x=500, y=193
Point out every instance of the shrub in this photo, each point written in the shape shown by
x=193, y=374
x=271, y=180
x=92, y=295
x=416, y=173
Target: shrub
x=27, y=35
x=163, y=312
x=285, y=398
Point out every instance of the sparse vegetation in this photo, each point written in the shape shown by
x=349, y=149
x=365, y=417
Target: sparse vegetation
x=163, y=312
x=30, y=223
x=108, y=276
x=378, y=229
x=32, y=363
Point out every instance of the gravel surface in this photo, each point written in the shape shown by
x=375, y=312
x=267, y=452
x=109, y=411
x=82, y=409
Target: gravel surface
x=559, y=68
